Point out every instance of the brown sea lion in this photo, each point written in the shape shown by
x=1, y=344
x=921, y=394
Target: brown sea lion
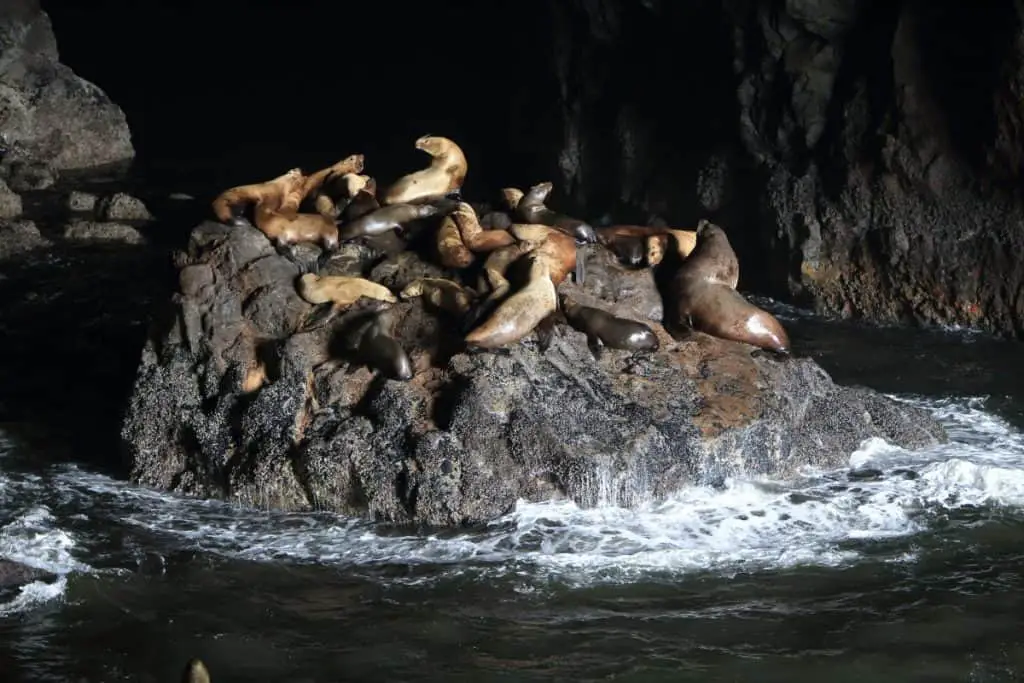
x=351, y=164
x=444, y=176
x=445, y=295
x=451, y=250
x=195, y=672
x=371, y=340
x=634, y=243
x=391, y=217
x=603, y=328
x=230, y=205
x=474, y=236
x=706, y=299
x=288, y=229
x=532, y=209
x=520, y=313
x=556, y=247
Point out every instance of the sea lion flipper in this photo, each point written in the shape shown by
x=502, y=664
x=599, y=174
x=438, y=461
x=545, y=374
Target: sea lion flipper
x=581, y=263
x=318, y=317
x=545, y=333
x=595, y=346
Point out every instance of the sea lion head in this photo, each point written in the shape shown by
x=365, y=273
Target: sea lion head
x=584, y=233
x=195, y=672
x=540, y=191
x=370, y=187
x=708, y=230
x=354, y=183
x=433, y=145
x=512, y=196
x=353, y=163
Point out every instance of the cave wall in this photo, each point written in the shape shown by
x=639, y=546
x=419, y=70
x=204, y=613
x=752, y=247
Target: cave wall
x=864, y=154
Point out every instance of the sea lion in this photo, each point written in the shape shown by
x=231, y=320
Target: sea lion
x=195, y=672
x=288, y=229
x=603, y=328
x=363, y=202
x=391, y=217
x=556, y=247
x=512, y=196
x=520, y=313
x=371, y=341
x=624, y=241
x=444, y=176
x=337, y=193
x=451, y=250
x=334, y=293
x=353, y=163
x=706, y=299
x=531, y=209
x=229, y=206
x=475, y=237
x=443, y=294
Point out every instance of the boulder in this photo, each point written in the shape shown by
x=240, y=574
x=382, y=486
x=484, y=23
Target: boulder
x=47, y=113
x=231, y=402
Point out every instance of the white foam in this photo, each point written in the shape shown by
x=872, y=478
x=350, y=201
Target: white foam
x=825, y=518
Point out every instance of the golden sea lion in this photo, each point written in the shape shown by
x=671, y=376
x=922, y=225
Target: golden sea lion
x=444, y=176
x=475, y=237
x=331, y=294
x=230, y=205
x=451, y=250
x=706, y=299
x=391, y=217
x=532, y=209
x=520, y=313
x=288, y=229
x=351, y=164
x=603, y=328
x=441, y=293
x=195, y=672
x=557, y=248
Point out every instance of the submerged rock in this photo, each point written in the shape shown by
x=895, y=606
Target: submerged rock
x=230, y=402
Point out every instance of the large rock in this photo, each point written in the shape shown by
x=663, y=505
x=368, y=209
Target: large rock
x=47, y=113
x=865, y=155
x=230, y=402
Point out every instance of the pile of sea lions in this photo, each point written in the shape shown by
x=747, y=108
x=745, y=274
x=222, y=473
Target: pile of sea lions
x=340, y=204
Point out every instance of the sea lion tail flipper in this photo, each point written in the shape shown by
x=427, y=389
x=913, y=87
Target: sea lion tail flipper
x=318, y=317
x=581, y=264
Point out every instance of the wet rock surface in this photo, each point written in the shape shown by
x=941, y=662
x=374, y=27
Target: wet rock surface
x=865, y=156
x=50, y=118
x=230, y=401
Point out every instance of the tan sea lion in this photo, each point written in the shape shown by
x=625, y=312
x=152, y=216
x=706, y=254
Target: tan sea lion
x=512, y=197
x=353, y=163
x=451, y=250
x=441, y=293
x=195, y=672
x=706, y=299
x=288, y=229
x=532, y=209
x=444, y=176
x=332, y=294
x=474, y=236
x=364, y=201
x=603, y=328
x=337, y=193
x=284, y=190
x=556, y=247
x=391, y=217
x=520, y=313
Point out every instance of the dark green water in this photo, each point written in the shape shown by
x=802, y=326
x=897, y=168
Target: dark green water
x=916, y=574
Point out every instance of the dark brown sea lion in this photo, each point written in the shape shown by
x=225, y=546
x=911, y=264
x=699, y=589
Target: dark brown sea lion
x=337, y=192
x=603, y=328
x=364, y=201
x=371, y=341
x=532, y=209
x=391, y=217
x=706, y=299
x=444, y=176
x=442, y=294
x=634, y=244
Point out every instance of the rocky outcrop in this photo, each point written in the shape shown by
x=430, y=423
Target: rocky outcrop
x=231, y=402
x=865, y=155
x=47, y=113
